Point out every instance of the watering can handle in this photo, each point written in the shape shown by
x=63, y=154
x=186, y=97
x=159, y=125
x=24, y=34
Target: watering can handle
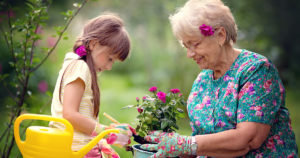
x=19, y=142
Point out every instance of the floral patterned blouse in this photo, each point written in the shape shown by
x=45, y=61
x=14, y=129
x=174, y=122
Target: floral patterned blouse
x=250, y=91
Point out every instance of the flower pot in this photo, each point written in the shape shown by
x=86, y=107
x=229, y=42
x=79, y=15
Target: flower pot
x=140, y=153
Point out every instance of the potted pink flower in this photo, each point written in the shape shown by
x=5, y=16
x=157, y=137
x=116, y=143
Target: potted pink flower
x=158, y=111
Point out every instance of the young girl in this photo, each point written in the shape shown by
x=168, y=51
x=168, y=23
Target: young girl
x=76, y=95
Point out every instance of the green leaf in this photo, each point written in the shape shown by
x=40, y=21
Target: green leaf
x=179, y=110
x=164, y=124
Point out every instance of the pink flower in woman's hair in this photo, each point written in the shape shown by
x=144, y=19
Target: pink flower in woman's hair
x=161, y=96
x=43, y=86
x=206, y=30
x=175, y=91
x=153, y=89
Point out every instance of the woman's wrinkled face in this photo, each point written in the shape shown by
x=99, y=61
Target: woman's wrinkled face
x=102, y=57
x=203, y=50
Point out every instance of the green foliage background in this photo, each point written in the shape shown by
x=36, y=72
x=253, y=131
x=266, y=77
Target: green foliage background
x=268, y=27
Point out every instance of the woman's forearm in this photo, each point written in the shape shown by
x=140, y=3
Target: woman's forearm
x=234, y=142
x=228, y=153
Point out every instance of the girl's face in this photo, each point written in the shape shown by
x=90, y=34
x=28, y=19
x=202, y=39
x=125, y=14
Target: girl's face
x=102, y=58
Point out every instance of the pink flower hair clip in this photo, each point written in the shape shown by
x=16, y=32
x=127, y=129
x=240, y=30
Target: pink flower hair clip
x=81, y=51
x=206, y=30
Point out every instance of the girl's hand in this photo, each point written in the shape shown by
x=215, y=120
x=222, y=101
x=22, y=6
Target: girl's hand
x=169, y=144
x=122, y=138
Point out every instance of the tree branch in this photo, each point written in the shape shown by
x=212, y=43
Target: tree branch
x=59, y=38
x=12, y=49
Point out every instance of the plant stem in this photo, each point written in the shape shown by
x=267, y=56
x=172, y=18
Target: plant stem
x=60, y=36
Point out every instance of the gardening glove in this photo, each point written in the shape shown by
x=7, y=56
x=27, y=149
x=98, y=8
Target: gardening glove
x=120, y=139
x=106, y=150
x=170, y=145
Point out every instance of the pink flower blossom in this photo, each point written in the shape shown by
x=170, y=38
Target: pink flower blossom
x=144, y=97
x=259, y=113
x=137, y=98
x=276, y=137
x=242, y=66
x=221, y=124
x=180, y=141
x=206, y=101
x=197, y=123
x=228, y=113
x=291, y=156
x=267, y=85
x=260, y=155
x=161, y=96
x=199, y=106
x=180, y=94
x=257, y=108
x=81, y=51
x=156, y=140
x=172, y=148
x=140, y=110
x=241, y=116
x=175, y=91
x=206, y=30
x=153, y=89
x=280, y=142
x=43, y=86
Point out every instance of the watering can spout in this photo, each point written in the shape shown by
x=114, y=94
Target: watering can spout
x=83, y=151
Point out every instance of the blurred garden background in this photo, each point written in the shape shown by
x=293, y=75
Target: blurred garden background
x=268, y=27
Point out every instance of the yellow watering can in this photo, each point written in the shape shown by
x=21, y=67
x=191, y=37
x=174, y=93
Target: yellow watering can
x=47, y=142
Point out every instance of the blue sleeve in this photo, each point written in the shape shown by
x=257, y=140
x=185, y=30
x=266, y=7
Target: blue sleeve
x=261, y=94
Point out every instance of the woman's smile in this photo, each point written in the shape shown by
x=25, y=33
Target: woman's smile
x=198, y=59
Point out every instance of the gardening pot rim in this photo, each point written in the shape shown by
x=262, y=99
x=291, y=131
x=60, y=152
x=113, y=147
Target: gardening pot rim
x=137, y=147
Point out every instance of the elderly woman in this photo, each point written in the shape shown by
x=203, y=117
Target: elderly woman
x=237, y=103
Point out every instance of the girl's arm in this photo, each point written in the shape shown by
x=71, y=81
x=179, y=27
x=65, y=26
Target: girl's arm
x=234, y=142
x=73, y=93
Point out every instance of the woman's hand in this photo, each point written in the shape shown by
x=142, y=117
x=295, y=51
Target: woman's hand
x=169, y=144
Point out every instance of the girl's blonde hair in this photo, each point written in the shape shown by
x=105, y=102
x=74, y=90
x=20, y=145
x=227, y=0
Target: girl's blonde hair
x=186, y=21
x=108, y=30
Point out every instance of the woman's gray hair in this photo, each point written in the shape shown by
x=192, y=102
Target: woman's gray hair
x=186, y=21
